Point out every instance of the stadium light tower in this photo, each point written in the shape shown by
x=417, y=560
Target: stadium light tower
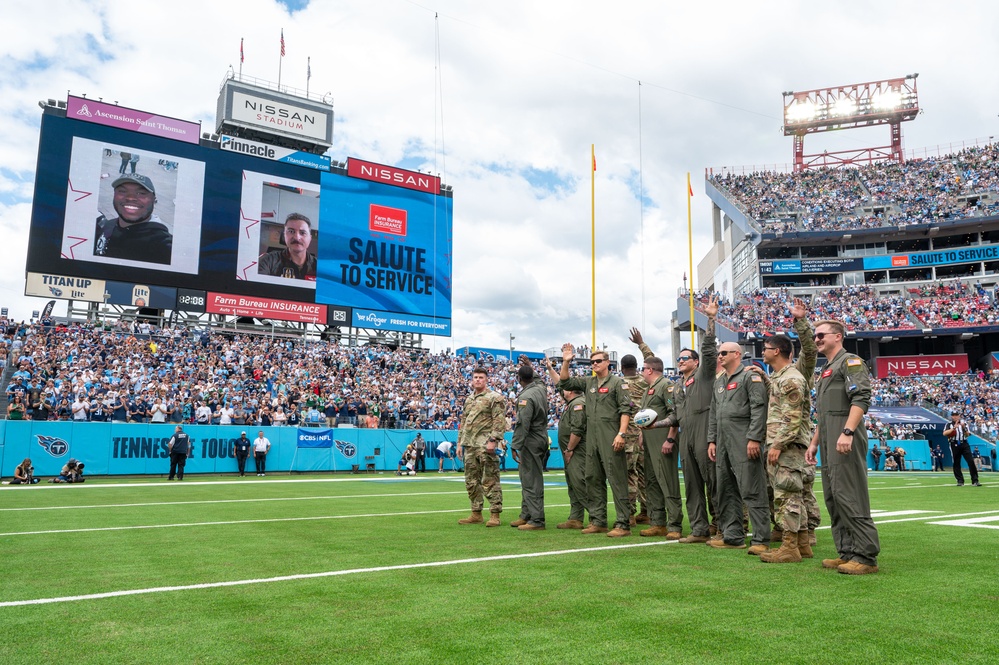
x=891, y=102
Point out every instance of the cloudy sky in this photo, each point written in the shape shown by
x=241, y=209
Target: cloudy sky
x=504, y=101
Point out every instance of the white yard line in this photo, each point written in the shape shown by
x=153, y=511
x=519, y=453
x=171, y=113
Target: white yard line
x=332, y=573
x=258, y=500
x=230, y=522
x=977, y=522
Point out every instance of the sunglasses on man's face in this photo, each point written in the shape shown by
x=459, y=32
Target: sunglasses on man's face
x=722, y=354
x=683, y=359
x=822, y=335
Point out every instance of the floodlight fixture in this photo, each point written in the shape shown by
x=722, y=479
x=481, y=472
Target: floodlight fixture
x=889, y=101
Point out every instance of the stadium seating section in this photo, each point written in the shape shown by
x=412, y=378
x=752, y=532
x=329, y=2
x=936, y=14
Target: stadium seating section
x=884, y=194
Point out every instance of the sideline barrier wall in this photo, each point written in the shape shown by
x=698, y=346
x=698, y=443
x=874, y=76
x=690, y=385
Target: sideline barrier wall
x=141, y=449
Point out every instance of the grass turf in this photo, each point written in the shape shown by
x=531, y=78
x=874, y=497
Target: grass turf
x=932, y=602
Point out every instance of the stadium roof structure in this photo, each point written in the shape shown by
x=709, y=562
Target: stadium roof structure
x=889, y=101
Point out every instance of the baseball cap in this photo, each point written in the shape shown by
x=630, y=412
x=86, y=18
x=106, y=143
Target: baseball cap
x=137, y=178
x=244, y=433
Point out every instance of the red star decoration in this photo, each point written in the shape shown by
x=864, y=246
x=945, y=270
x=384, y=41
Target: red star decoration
x=78, y=191
x=77, y=244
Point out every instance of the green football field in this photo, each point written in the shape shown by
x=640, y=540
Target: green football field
x=375, y=569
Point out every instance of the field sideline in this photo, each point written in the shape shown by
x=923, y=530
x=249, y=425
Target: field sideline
x=375, y=569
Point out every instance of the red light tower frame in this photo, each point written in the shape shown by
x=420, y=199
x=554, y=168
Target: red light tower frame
x=890, y=102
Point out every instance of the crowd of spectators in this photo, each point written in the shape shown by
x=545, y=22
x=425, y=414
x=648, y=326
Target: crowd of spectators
x=880, y=194
x=863, y=308
x=139, y=373
x=971, y=394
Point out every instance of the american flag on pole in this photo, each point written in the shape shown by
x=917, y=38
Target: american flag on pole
x=241, y=58
x=308, y=71
x=282, y=42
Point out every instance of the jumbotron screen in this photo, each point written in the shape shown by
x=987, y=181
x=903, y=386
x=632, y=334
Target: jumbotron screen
x=245, y=229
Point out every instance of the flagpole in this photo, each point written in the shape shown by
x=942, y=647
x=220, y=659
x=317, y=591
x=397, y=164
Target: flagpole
x=690, y=256
x=593, y=247
x=241, y=58
x=281, y=58
x=308, y=74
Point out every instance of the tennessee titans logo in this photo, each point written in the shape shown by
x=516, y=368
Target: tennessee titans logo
x=348, y=449
x=54, y=291
x=52, y=445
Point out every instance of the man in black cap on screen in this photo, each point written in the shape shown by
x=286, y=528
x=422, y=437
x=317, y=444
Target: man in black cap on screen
x=136, y=234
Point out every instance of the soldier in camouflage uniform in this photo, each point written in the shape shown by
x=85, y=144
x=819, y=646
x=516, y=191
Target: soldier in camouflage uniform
x=633, y=443
x=788, y=435
x=842, y=397
x=736, y=428
x=572, y=443
x=608, y=412
x=480, y=431
x=805, y=364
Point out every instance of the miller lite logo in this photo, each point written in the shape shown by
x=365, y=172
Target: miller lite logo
x=53, y=446
x=349, y=450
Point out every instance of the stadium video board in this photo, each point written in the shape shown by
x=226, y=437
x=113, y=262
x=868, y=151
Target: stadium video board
x=140, y=219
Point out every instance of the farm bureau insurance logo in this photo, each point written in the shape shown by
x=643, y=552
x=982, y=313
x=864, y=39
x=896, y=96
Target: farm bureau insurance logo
x=347, y=448
x=382, y=219
x=53, y=445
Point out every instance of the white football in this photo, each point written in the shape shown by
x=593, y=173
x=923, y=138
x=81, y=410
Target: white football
x=645, y=417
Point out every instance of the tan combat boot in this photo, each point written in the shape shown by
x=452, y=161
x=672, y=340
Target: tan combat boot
x=811, y=536
x=653, y=531
x=787, y=553
x=757, y=550
x=518, y=523
x=593, y=528
x=804, y=548
x=833, y=563
x=776, y=535
x=493, y=519
x=570, y=524
x=474, y=518
x=856, y=568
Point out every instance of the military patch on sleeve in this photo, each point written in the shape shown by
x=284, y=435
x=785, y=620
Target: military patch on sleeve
x=854, y=362
x=522, y=402
x=669, y=389
x=851, y=388
x=756, y=378
x=578, y=407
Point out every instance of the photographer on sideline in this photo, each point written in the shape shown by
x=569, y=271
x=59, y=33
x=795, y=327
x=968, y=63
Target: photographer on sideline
x=24, y=473
x=72, y=472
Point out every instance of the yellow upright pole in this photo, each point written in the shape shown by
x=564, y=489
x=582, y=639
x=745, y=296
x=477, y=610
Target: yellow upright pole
x=690, y=256
x=593, y=246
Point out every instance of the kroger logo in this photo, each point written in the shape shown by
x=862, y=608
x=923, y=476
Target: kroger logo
x=371, y=317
